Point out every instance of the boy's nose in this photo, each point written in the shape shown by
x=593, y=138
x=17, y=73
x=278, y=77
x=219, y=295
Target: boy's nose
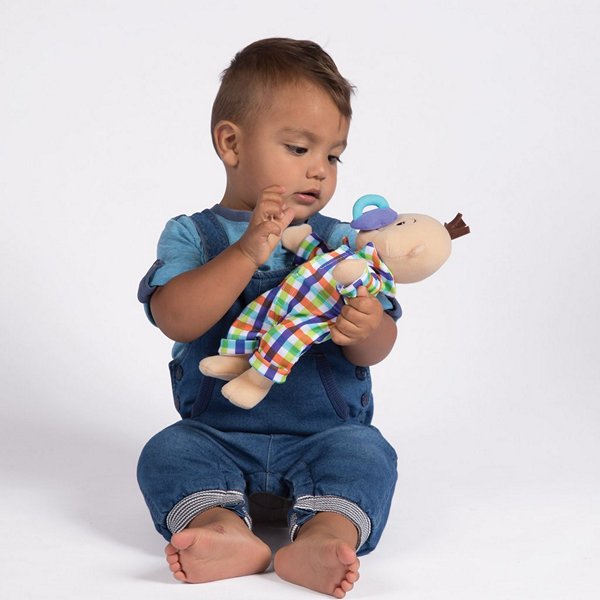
x=317, y=170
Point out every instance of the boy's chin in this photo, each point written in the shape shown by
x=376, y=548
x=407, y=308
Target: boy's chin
x=303, y=211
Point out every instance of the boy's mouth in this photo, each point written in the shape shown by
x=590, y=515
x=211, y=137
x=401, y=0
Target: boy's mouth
x=308, y=196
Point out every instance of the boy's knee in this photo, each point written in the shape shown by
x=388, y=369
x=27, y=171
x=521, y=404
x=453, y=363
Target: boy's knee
x=363, y=451
x=160, y=447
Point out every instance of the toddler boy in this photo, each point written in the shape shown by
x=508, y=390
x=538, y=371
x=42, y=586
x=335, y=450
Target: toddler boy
x=280, y=123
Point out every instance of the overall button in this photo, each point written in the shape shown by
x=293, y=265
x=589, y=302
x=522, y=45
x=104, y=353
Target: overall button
x=361, y=373
x=365, y=399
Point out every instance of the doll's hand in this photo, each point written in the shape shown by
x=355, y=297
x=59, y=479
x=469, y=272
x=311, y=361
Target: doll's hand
x=358, y=319
x=269, y=219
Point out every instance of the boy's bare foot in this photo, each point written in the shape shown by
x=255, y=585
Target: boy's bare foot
x=322, y=558
x=216, y=545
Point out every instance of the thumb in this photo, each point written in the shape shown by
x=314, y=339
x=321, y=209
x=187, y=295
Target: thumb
x=287, y=217
x=362, y=292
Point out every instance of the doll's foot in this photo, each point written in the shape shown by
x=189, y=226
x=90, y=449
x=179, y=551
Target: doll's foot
x=247, y=390
x=224, y=367
x=293, y=236
x=322, y=558
x=216, y=545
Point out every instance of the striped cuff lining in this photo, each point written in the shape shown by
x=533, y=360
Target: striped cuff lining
x=194, y=504
x=336, y=505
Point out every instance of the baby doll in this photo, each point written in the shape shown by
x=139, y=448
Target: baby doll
x=274, y=330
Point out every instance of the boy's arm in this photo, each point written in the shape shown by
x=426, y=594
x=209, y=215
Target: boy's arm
x=191, y=303
x=366, y=333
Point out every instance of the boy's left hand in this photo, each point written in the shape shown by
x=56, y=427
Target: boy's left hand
x=359, y=318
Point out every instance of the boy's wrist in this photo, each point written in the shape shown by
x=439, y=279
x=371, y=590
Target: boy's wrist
x=245, y=256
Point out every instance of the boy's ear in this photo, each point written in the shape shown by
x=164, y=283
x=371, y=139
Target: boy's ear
x=226, y=137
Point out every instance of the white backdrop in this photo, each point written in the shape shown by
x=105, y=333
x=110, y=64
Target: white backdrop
x=491, y=394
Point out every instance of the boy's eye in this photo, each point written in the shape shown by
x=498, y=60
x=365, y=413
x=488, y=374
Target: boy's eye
x=297, y=150
x=334, y=159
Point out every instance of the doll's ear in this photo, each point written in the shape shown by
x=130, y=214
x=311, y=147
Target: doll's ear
x=226, y=137
x=417, y=250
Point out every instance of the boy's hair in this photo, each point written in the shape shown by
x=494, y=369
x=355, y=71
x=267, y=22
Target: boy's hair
x=267, y=64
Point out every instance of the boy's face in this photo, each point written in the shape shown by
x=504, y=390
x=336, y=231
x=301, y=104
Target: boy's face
x=295, y=143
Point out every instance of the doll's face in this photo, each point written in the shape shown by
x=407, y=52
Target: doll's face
x=413, y=246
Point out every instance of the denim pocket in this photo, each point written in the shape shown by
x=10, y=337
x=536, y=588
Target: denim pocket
x=205, y=392
x=331, y=389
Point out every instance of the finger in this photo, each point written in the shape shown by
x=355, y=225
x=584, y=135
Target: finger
x=270, y=209
x=356, y=324
x=348, y=328
x=356, y=305
x=270, y=203
x=367, y=305
x=339, y=338
x=287, y=217
x=273, y=193
x=268, y=228
x=278, y=189
x=282, y=214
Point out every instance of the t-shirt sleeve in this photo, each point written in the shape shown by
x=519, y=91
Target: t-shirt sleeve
x=179, y=250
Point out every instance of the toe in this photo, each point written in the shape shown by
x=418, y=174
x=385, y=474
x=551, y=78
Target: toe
x=170, y=549
x=347, y=556
x=179, y=575
x=182, y=540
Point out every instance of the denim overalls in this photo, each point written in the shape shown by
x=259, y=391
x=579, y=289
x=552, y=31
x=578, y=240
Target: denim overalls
x=310, y=439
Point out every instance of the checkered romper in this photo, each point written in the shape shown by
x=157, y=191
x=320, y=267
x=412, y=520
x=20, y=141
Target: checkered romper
x=282, y=323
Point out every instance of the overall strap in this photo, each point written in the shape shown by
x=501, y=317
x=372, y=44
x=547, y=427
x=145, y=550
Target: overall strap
x=212, y=234
x=322, y=225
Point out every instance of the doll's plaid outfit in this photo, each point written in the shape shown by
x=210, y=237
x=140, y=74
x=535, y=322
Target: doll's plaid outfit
x=282, y=323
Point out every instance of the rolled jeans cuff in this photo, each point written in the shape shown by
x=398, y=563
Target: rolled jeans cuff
x=194, y=504
x=334, y=504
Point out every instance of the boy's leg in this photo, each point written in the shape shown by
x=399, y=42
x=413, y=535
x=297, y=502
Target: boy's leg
x=343, y=488
x=195, y=493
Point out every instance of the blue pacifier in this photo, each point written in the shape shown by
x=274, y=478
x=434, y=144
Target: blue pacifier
x=373, y=219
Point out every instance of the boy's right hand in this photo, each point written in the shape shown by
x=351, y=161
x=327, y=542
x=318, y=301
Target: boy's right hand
x=269, y=219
